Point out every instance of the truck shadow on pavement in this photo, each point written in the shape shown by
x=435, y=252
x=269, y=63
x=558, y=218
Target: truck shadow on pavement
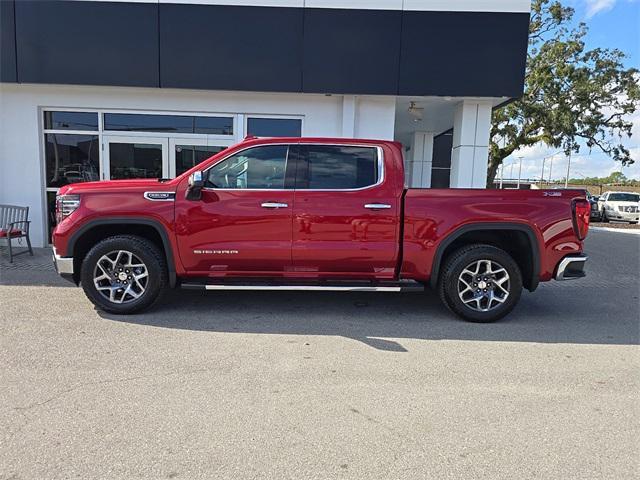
x=382, y=321
x=602, y=308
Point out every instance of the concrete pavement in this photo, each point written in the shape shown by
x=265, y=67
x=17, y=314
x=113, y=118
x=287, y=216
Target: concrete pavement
x=324, y=385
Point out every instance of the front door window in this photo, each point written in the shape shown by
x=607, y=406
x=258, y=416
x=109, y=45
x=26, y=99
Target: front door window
x=259, y=168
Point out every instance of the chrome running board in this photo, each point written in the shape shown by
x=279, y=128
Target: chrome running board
x=404, y=286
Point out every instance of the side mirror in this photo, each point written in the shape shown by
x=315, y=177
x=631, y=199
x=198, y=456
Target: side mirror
x=194, y=192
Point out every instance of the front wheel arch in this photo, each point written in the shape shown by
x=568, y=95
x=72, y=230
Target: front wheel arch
x=94, y=231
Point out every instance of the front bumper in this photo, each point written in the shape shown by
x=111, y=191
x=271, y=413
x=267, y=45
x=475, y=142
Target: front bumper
x=625, y=216
x=571, y=267
x=63, y=265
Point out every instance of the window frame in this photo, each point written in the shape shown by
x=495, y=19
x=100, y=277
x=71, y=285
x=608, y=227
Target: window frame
x=380, y=165
x=160, y=113
x=239, y=132
x=289, y=170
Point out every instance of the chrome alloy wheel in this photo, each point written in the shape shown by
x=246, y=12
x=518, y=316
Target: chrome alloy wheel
x=120, y=276
x=483, y=285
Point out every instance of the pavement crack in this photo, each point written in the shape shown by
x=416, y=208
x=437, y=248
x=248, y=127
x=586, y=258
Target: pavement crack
x=80, y=386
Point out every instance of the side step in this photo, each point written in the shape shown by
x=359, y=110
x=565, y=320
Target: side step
x=336, y=286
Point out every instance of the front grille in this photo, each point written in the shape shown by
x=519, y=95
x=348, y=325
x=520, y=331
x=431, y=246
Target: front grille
x=628, y=209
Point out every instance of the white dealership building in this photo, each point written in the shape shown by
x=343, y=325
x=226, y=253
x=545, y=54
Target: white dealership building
x=117, y=89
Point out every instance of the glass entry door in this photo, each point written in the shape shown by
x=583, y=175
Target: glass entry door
x=135, y=157
x=188, y=152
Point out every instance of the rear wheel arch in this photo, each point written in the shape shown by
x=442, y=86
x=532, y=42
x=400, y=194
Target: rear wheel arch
x=96, y=230
x=510, y=237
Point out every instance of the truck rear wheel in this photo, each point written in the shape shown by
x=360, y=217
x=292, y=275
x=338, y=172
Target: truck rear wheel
x=123, y=274
x=480, y=283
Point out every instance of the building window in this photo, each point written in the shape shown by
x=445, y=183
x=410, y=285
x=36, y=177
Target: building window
x=274, y=127
x=83, y=146
x=188, y=156
x=71, y=158
x=129, y=122
x=71, y=121
x=213, y=125
x=71, y=153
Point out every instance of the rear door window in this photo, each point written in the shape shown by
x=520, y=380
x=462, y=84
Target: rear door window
x=337, y=167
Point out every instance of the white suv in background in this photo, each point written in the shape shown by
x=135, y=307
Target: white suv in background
x=619, y=206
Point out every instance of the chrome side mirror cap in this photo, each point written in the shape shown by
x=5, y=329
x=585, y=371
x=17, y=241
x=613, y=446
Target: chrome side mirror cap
x=196, y=182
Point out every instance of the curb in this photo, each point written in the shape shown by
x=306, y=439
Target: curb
x=617, y=230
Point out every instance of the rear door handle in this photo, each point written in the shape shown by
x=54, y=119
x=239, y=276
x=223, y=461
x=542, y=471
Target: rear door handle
x=274, y=205
x=377, y=206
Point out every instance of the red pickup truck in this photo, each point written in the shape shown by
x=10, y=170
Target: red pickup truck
x=315, y=214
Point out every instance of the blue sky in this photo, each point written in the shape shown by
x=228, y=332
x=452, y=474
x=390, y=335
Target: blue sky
x=612, y=24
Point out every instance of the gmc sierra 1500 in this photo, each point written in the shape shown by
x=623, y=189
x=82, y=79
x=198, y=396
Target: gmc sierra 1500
x=315, y=214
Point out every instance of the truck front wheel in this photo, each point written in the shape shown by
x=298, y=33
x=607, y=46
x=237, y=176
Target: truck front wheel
x=480, y=283
x=123, y=274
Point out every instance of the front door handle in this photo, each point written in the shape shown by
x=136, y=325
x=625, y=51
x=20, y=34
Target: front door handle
x=377, y=206
x=274, y=205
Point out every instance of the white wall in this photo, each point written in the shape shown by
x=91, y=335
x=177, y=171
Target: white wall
x=21, y=138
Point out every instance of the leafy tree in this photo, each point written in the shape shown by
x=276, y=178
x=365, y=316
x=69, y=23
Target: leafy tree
x=617, y=177
x=573, y=97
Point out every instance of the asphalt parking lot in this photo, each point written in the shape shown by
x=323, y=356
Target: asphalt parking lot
x=323, y=385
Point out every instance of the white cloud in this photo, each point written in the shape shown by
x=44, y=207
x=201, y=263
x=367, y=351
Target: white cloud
x=594, y=7
x=597, y=6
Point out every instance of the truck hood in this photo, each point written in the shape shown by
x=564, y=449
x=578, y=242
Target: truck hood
x=137, y=184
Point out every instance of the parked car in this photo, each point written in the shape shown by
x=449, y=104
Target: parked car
x=595, y=211
x=619, y=206
x=593, y=201
x=315, y=214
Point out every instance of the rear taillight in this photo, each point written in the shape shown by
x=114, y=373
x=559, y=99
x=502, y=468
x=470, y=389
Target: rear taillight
x=581, y=212
x=66, y=205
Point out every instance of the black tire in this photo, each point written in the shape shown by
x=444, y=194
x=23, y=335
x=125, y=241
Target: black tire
x=449, y=282
x=150, y=256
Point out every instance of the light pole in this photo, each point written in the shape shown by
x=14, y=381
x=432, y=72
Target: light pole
x=550, y=157
x=519, y=172
x=501, y=174
x=566, y=180
x=550, y=167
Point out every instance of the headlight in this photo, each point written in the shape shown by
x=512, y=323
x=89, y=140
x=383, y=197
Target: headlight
x=66, y=205
x=608, y=207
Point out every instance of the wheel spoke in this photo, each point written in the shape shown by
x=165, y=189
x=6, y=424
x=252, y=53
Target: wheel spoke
x=468, y=287
x=466, y=271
